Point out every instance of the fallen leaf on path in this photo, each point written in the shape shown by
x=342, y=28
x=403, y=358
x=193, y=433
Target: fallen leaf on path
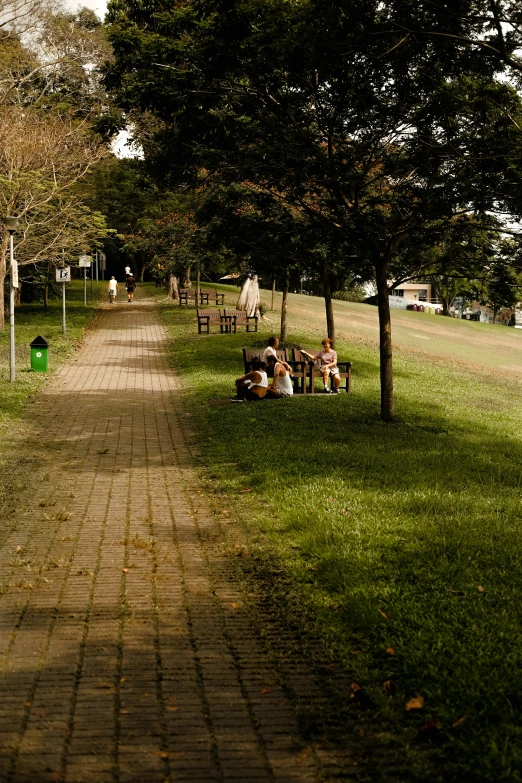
x=171, y=709
x=388, y=686
x=125, y=570
x=264, y=691
x=417, y=703
x=431, y=723
x=234, y=605
x=246, y=490
x=354, y=688
x=460, y=721
x=383, y=614
x=480, y=589
x=103, y=451
x=390, y=651
x=303, y=755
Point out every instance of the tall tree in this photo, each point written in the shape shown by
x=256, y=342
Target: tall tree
x=380, y=144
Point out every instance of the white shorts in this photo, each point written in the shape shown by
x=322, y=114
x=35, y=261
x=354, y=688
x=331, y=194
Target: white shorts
x=330, y=370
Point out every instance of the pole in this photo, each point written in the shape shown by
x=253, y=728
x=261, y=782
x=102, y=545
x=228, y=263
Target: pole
x=85, y=286
x=12, y=367
x=96, y=266
x=91, y=270
x=64, y=324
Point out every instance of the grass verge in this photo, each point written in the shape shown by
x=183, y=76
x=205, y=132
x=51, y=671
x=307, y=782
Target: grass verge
x=32, y=320
x=403, y=541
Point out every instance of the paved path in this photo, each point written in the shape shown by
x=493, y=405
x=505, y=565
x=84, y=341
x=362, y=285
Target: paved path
x=126, y=649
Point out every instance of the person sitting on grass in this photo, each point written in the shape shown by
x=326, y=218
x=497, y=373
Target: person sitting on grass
x=271, y=350
x=281, y=385
x=327, y=360
x=253, y=385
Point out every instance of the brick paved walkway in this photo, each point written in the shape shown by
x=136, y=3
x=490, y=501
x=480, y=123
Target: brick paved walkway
x=126, y=649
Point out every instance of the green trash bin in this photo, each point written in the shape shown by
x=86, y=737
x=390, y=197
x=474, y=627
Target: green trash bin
x=39, y=354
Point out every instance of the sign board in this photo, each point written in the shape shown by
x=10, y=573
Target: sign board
x=85, y=260
x=63, y=274
x=14, y=273
x=102, y=258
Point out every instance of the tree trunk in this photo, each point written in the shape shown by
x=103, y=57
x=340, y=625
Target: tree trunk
x=495, y=311
x=141, y=261
x=249, y=296
x=18, y=294
x=3, y=260
x=284, y=306
x=330, y=325
x=198, y=286
x=173, y=291
x=186, y=281
x=273, y=292
x=46, y=294
x=445, y=305
x=385, y=342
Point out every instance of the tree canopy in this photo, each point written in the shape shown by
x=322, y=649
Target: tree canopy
x=377, y=143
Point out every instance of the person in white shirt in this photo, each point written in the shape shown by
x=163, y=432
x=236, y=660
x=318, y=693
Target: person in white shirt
x=253, y=385
x=113, y=289
x=281, y=385
x=271, y=350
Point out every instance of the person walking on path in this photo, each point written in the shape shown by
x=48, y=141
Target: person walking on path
x=130, y=285
x=113, y=289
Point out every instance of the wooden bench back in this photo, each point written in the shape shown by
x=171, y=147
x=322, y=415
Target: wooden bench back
x=239, y=317
x=214, y=315
x=249, y=354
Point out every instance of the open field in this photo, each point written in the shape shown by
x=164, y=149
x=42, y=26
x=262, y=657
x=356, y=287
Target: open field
x=401, y=542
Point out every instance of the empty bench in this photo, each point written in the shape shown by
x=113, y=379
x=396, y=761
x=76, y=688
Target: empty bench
x=206, y=317
x=206, y=297
x=240, y=318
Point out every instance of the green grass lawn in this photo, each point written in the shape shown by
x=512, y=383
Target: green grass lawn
x=403, y=541
x=32, y=320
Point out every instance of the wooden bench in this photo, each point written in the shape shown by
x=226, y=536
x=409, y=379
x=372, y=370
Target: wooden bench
x=206, y=296
x=345, y=371
x=240, y=318
x=185, y=294
x=206, y=317
x=299, y=368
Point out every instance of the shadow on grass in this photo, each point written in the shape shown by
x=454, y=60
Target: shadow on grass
x=403, y=536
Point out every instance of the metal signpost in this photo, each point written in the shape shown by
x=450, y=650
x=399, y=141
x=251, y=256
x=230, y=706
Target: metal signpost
x=85, y=261
x=102, y=259
x=11, y=224
x=63, y=275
